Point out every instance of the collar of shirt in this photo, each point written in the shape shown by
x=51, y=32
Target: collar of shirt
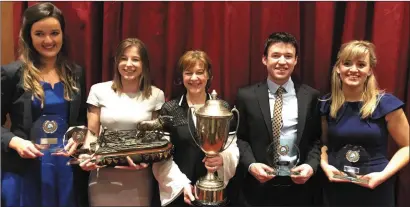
x=184, y=103
x=288, y=86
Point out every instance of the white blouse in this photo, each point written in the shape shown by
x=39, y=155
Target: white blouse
x=123, y=112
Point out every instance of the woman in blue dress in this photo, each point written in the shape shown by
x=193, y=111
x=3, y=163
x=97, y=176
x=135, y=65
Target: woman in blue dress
x=42, y=83
x=359, y=117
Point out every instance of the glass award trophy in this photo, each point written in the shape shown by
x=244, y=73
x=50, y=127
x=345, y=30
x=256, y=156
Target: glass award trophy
x=283, y=158
x=352, y=161
x=48, y=132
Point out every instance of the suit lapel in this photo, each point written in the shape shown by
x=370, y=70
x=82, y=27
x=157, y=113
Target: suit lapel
x=302, y=98
x=263, y=99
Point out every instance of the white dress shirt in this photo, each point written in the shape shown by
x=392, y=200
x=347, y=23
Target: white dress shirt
x=288, y=132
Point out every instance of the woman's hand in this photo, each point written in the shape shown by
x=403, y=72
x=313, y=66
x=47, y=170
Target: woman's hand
x=188, y=194
x=212, y=164
x=132, y=165
x=25, y=148
x=330, y=171
x=86, y=163
x=69, y=149
x=374, y=180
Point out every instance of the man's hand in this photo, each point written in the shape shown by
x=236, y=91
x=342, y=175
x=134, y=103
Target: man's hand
x=305, y=172
x=259, y=171
x=212, y=164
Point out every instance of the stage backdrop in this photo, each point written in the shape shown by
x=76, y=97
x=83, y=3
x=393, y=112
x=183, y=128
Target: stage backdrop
x=233, y=33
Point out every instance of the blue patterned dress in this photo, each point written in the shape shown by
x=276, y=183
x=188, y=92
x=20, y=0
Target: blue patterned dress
x=48, y=181
x=370, y=133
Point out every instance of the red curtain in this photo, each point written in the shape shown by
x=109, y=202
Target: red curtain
x=233, y=33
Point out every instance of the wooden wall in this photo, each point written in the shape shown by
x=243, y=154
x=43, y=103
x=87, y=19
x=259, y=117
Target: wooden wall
x=7, y=43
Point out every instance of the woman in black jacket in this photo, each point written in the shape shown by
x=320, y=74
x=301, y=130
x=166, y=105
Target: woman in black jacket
x=43, y=93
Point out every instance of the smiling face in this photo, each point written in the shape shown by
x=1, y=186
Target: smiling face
x=354, y=72
x=47, y=37
x=130, y=64
x=195, y=78
x=280, y=62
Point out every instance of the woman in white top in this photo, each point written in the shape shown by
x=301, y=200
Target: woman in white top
x=120, y=105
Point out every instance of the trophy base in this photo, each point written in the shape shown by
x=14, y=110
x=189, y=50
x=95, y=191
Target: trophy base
x=46, y=148
x=201, y=204
x=283, y=173
x=352, y=179
x=210, y=191
x=137, y=156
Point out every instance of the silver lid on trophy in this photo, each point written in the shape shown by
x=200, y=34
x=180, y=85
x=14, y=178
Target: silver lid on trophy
x=214, y=108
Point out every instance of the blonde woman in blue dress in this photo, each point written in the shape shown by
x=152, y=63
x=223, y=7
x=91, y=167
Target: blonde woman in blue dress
x=358, y=113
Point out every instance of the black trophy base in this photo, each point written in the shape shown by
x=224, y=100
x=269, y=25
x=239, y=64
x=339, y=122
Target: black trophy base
x=201, y=204
x=352, y=179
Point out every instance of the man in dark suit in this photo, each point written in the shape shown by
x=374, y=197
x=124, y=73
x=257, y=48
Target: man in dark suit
x=277, y=111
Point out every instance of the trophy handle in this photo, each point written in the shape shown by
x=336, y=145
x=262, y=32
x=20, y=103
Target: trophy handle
x=189, y=128
x=236, y=130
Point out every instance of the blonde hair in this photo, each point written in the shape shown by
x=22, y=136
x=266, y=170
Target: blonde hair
x=145, y=78
x=32, y=59
x=371, y=92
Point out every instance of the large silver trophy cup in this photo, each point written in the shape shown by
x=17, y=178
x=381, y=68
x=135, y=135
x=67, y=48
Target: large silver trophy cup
x=212, y=130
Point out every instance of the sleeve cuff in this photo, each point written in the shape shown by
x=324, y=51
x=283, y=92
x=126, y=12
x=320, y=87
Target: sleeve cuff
x=249, y=168
x=313, y=164
x=230, y=160
x=5, y=139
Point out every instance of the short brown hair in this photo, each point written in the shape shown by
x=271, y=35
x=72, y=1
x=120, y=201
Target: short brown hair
x=190, y=58
x=145, y=79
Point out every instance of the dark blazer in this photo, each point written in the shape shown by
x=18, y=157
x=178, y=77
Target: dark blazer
x=187, y=155
x=17, y=103
x=255, y=131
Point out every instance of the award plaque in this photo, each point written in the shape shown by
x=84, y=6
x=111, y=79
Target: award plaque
x=352, y=162
x=287, y=156
x=48, y=132
x=145, y=144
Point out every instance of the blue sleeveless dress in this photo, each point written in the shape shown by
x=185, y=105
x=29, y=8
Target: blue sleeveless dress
x=370, y=133
x=47, y=181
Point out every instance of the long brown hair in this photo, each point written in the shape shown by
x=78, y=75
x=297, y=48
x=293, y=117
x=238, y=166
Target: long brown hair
x=32, y=59
x=371, y=93
x=145, y=78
